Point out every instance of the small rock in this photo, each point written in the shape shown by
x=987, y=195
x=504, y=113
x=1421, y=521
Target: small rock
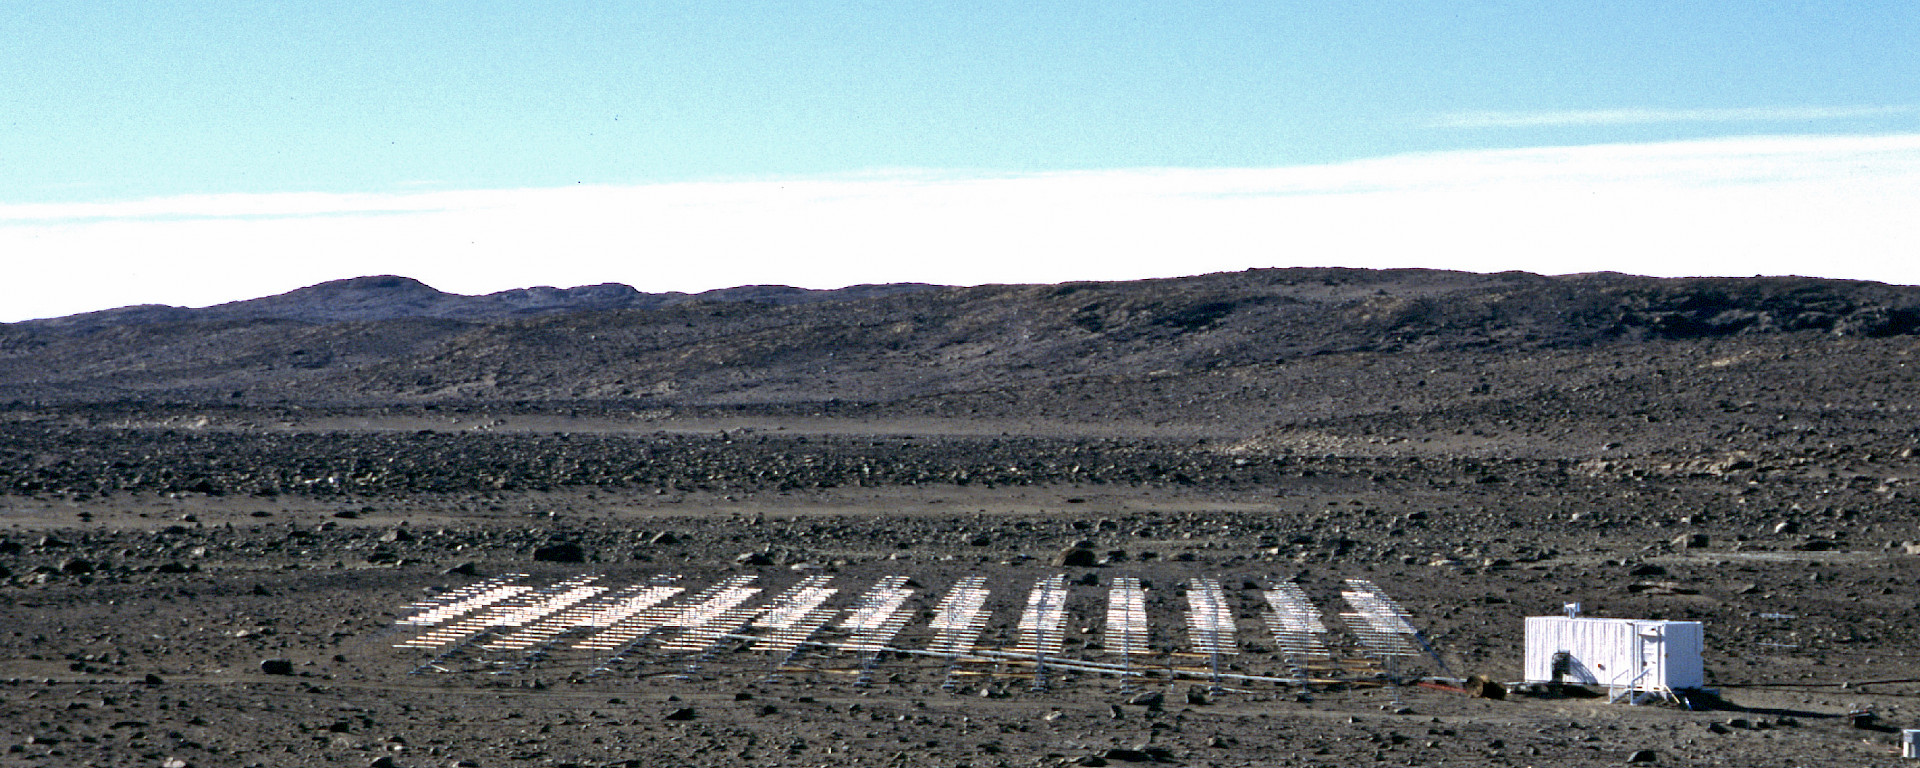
x=1197, y=696
x=468, y=568
x=754, y=558
x=681, y=715
x=381, y=762
x=1643, y=756
x=1647, y=569
x=76, y=566
x=664, y=538
x=153, y=679
x=1148, y=699
x=277, y=667
x=174, y=762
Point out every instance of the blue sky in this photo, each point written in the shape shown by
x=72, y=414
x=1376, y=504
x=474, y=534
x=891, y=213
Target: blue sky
x=155, y=143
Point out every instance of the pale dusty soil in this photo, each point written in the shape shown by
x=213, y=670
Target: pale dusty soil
x=322, y=591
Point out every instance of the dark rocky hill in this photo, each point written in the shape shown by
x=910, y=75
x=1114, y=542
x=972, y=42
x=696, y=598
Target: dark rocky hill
x=395, y=340
x=389, y=297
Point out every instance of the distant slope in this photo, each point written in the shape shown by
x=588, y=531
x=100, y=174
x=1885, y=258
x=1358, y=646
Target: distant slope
x=394, y=340
x=388, y=297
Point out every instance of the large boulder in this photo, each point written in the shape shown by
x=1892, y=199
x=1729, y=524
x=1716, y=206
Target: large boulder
x=1076, y=557
x=562, y=552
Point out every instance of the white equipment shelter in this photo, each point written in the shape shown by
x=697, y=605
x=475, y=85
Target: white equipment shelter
x=1631, y=657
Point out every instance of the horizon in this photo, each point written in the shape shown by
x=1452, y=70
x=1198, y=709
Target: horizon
x=933, y=286
x=196, y=156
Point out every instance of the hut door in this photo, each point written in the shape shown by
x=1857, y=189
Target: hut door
x=1653, y=654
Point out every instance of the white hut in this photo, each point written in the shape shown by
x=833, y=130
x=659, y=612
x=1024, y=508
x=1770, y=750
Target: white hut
x=1628, y=656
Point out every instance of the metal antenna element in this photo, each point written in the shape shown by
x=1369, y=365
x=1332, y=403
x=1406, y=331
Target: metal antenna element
x=793, y=617
x=1126, y=630
x=457, y=602
x=957, y=623
x=554, y=624
x=874, y=622
x=518, y=611
x=627, y=635
x=619, y=620
x=1043, y=625
x=1389, y=622
x=1210, y=623
x=519, y=607
x=1297, y=628
x=597, y=613
x=707, y=622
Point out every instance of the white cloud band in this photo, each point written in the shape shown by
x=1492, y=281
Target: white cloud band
x=1649, y=116
x=1823, y=206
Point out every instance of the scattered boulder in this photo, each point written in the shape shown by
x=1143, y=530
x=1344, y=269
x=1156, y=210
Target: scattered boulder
x=1076, y=557
x=562, y=552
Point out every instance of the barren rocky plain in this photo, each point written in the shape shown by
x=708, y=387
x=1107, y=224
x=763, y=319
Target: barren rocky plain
x=213, y=521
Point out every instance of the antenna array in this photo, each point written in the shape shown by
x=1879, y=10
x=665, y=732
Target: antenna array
x=1297, y=628
x=444, y=606
x=1126, y=632
x=605, y=625
x=957, y=623
x=875, y=621
x=1387, y=624
x=1210, y=622
x=794, y=616
x=1043, y=625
